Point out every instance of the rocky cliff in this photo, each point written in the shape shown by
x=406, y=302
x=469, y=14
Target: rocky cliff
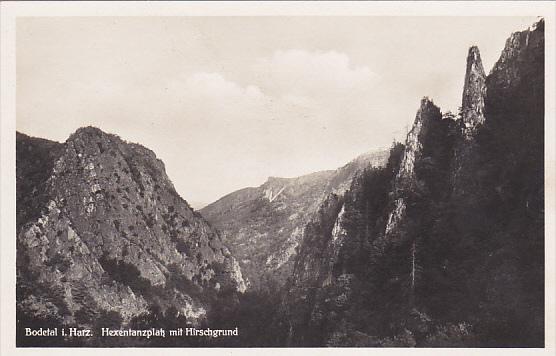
x=428, y=145
x=102, y=234
x=438, y=242
x=445, y=245
x=474, y=92
x=263, y=226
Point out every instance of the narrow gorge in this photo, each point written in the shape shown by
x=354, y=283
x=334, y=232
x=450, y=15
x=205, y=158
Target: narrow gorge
x=434, y=242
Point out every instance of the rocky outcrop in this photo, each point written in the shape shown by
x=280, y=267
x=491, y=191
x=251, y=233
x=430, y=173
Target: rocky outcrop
x=371, y=242
x=263, y=226
x=428, y=117
x=35, y=161
x=111, y=235
x=472, y=117
x=522, y=49
x=312, y=269
x=444, y=246
x=414, y=143
x=440, y=245
x=474, y=92
x=327, y=273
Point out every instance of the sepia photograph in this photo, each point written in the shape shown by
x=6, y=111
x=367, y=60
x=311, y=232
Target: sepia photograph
x=281, y=181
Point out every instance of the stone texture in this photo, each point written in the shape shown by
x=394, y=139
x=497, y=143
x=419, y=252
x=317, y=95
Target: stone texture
x=474, y=92
x=264, y=226
x=444, y=247
x=112, y=234
x=427, y=115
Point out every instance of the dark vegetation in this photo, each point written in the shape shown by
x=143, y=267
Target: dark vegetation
x=465, y=267
x=35, y=159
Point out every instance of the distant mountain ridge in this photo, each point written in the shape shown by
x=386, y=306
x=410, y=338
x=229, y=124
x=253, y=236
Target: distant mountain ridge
x=263, y=225
x=438, y=241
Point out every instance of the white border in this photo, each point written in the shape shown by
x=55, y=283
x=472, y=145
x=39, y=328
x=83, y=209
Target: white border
x=9, y=11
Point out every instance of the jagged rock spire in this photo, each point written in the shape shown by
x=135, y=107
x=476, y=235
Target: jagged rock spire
x=427, y=111
x=405, y=177
x=474, y=92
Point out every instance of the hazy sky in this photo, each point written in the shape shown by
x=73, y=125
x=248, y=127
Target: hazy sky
x=226, y=102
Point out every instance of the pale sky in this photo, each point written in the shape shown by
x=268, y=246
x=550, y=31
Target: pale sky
x=226, y=102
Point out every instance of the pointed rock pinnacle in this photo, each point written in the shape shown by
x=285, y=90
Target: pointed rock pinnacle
x=474, y=92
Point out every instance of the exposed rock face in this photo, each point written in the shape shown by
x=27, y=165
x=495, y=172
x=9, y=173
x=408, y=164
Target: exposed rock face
x=472, y=117
x=511, y=68
x=263, y=226
x=414, y=142
x=428, y=116
x=35, y=161
x=444, y=246
x=367, y=240
x=324, y=292
x=110, y=234
x=312, y=270
x=474, y=92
